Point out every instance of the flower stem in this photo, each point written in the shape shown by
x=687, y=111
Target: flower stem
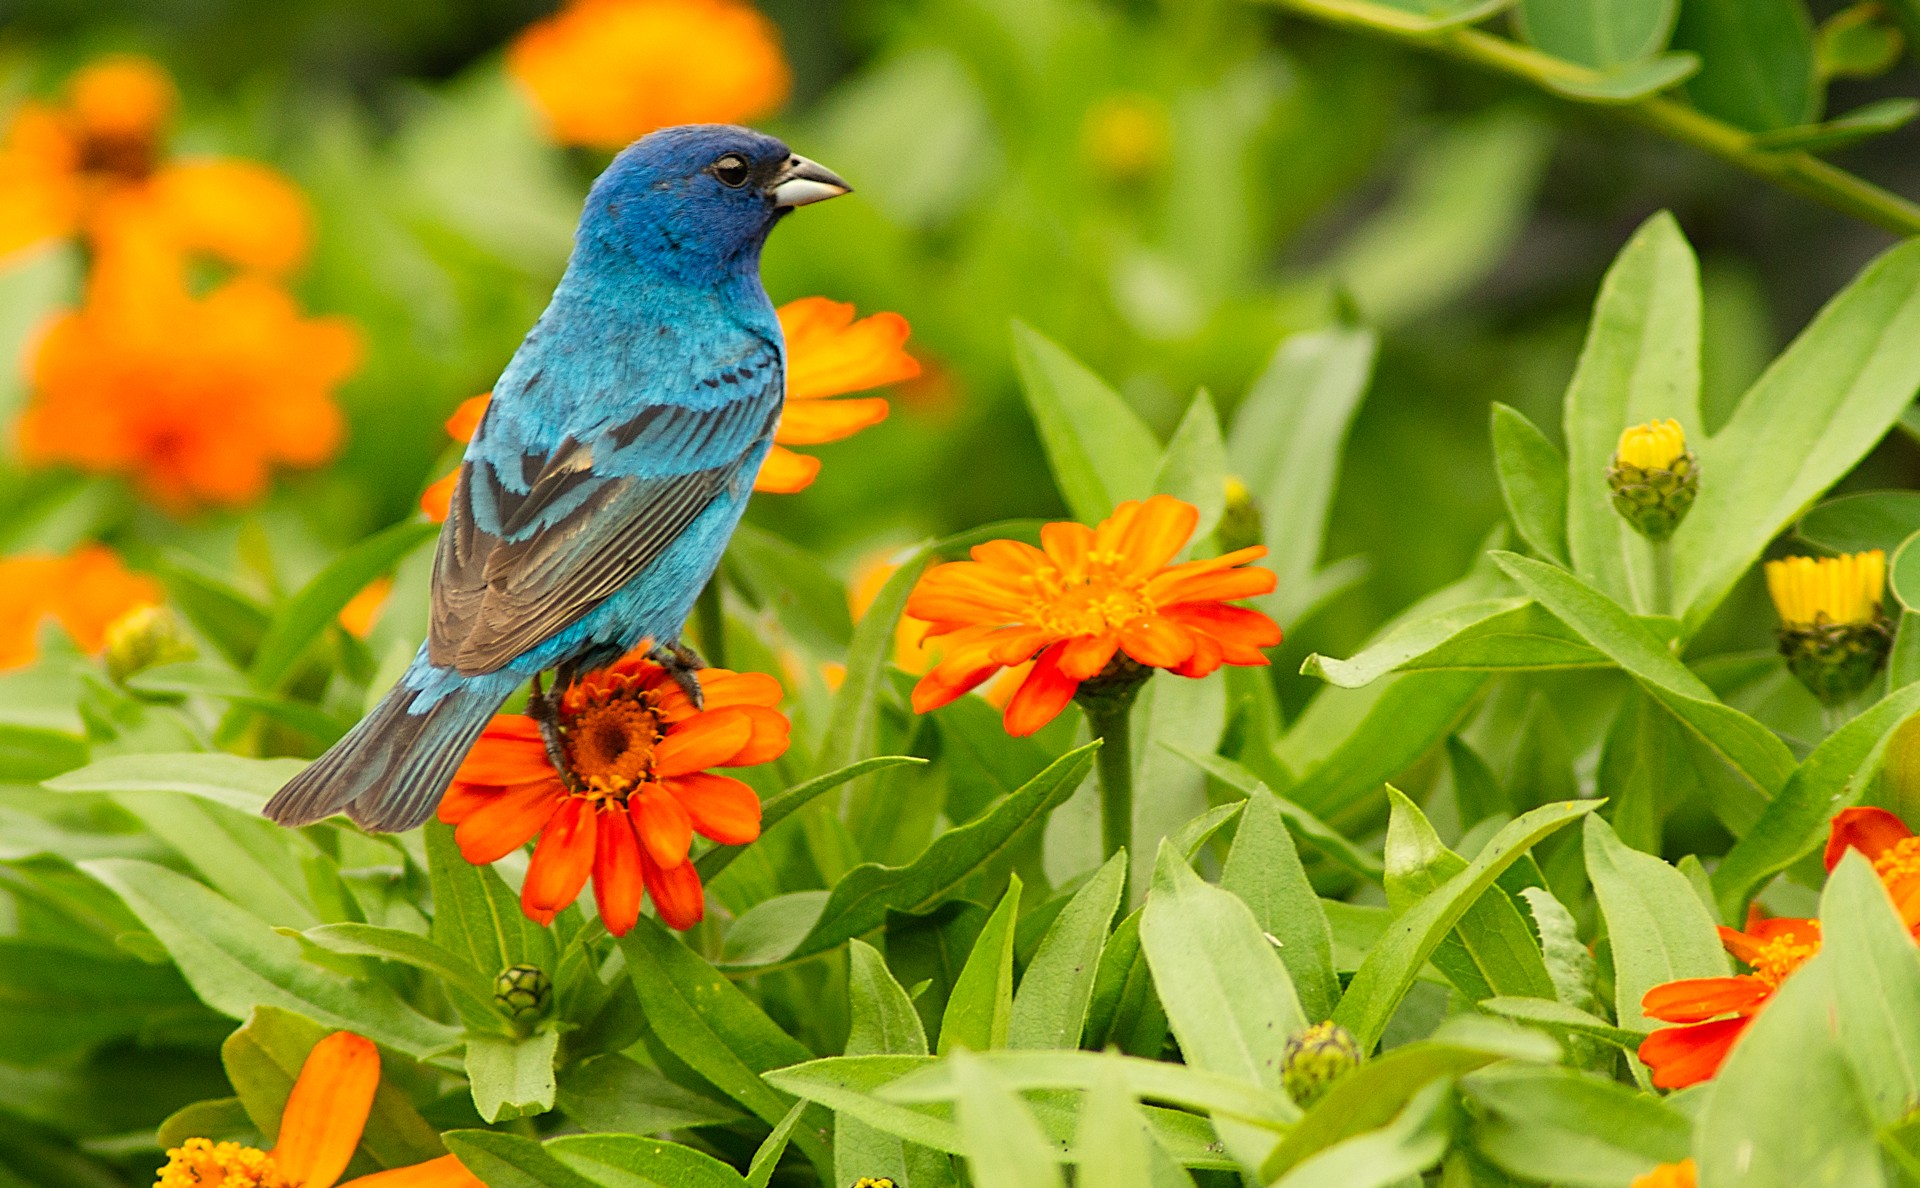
x=710, y=621
x=1110, y=717
x=1662, y=576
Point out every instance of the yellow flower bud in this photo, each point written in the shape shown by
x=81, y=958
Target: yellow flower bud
x=145, y=636
x=1240, y=520
x=1832, y=630
x=1656, y=445
x=1127, y=136
x=1654, y=478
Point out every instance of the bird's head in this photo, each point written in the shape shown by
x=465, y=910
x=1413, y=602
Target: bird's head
x=698, y=200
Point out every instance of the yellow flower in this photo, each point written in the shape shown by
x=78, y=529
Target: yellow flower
x=1656, y=445
x=1828, y=591
x=605, y=72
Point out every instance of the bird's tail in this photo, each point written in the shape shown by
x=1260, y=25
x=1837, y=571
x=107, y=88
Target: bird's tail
x=389, y=771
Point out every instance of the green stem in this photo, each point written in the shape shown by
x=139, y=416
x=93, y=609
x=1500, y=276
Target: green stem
x=1662, y=576
x=1800, y=172
x=1110, y=718
x=710, y=621
x=1835, y=715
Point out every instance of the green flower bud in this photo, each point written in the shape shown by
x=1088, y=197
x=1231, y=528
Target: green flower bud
x=142, y=638
x=1315, y=1058
x=1240, y=523
x=1833, y=631
x=523, y=992
x=1654, y=478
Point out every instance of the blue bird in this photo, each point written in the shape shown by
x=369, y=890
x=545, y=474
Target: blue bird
x=611, y=467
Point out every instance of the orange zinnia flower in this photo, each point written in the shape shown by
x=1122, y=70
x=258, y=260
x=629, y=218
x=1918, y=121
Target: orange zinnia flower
x=828, y=354
x=634, y=791
x=193, y=397
x=319, y=1132
x=1886, y=842
x=1087, y=601
x=86, y=592
x=605, y=72
x=1669, y=1175
x=1693, y=1052
x=97, y=162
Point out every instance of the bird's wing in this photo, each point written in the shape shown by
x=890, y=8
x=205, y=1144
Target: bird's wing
x=523, y=556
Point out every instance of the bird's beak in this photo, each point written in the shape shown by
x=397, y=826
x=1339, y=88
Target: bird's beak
x=804, y=181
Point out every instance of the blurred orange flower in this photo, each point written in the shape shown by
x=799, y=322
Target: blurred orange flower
x=828, y=354
x=1087, y=601
x=606, y=72
x=1669, y=1175
x=86, y=592
x=319, y=1132
x=633, y=792
x=363, y=609
x=98, y=161
x=193, y=397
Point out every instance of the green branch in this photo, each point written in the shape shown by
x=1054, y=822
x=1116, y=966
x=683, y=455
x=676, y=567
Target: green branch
x=1798, y=171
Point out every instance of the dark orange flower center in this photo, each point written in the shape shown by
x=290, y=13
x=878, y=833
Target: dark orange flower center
x=122, y=156
x=610, y=742
x=1086, y=604
x=1901, y=860
x=199, y=1163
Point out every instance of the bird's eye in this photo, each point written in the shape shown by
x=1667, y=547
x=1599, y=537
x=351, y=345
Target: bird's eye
x=732, y=170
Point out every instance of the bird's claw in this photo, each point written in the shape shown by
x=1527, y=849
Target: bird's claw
x=544, y=709
x=683, y=664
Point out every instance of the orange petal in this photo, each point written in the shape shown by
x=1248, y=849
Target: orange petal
x=1694, y=1000
x=828, y=420
x=722, y=688
x=327, y=1110
x=507, y=820
x=463, y=799
x=828, y=353
x=1224, y=585
x=444, y=1172
x=465, y=421
x=1241, y=632
x=662, y=825
x=720, y=807
x=1083, y=658
x=958, y=672
x=239, y=211
x=676, y=893
x=1207, y=656
x=1066, y=544
x=705, y=740
x=1682, y=1056
x=771, y=736
x=1157, y=534
x=1157, y=642
x=561, y=862
x=617, y=882
x=785, y=472
x=436, y=502
x=1042, y=696
x=1872, y=831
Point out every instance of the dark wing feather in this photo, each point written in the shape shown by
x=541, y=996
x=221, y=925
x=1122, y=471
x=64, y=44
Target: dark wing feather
x=513, y=569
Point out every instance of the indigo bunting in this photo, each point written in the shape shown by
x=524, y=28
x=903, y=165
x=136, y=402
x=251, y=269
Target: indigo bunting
x=613, y=463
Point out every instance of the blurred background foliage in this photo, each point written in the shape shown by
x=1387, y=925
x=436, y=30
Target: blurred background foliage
x=1192, y=180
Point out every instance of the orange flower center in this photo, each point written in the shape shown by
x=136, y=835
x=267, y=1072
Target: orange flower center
x=1092, y=603
x=610, y=742
x=1773, y=960
x=1901, y=860
x=200, y=1163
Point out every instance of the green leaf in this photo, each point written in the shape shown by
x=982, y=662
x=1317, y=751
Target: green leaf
x=1648, y=768
x=1629, y=82
x=1533, y=481
x=476, y=916
x=778, y=808
x=1112, y=1147
x=1875, y=973
x=1903, y=573
x=1050, y=1009
x=505, y=1160
x=1099, y=449
x=1194, y=466
x=509, y=1076
x=60, y=1001
x=1417, y=16
x=716, y=1029
x=861, y=899
x=1286, y=444
x=1786, y=1109
x=1862, y=123
x=263, y=1059
x=614, y=1094
x=408, y=948
x=32, y=753
x=1004, y=1145
x=1125, y=1012
x=767, y=1157
x=1598, y=32
x=318, y=604
x=229, y=780
x=1373, y=1094
x=195, y=678
x=235, y=962
x=884, y=1023
x=856, y=704
x=1751, y=753
x=1641, y=363
x=231, y=620
x=1323, y=837
x=630, y=1161
x=1757, y=56
x=220, y=1119
x=1263, y=868
x=794, y=584
x=1834, y=776
x=1815, y=413
x=1389, y=1156
x=1400, y=719
x=1559, y=1017
x=1227, y=995
x=1389, y=969
x=246, y=858
x=1659, y=930
x=981, y=1005
x=1492, y=951
x=1570, y=1128
x=1859, y=522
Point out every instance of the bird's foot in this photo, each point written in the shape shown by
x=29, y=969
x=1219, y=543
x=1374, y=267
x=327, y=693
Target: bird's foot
x=683, y=664
x=544, y=709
